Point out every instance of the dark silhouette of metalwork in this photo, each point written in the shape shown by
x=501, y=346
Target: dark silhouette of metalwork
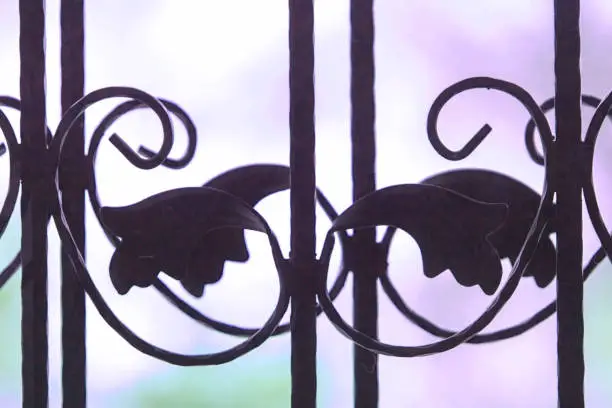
x=464, y=221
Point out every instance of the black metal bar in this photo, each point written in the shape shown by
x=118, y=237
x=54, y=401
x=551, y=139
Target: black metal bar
x=365, y=272
x=34, y=209
x=73, y=199
x=302, y=197
x=567, y=179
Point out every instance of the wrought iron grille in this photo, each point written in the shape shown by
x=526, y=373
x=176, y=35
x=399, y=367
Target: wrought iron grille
x=464, y=221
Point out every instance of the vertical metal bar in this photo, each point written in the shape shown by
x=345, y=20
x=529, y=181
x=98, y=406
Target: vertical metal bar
x=302, y=197
x=34, y=211
x=365, y=299
x=73, y=198
x=567, y=179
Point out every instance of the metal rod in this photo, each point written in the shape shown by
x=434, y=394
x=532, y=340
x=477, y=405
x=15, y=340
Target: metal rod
x=73, y=199
x=302, y=197
x=34, y=209
x=365, y=295
x=567, y=167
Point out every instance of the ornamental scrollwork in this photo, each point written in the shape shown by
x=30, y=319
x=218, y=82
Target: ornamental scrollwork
x=464, y=221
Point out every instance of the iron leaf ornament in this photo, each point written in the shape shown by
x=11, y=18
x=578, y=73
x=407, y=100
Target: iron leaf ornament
x=252, y=184
x=179, y=232
x=451, y=230
x=463, y=221
x=190, y=233
x=523, y=203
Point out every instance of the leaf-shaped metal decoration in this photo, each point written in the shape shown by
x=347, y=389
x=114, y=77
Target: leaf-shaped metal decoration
x=252, y=184
x=180, y=232
x=452, y=230
x=523, y=203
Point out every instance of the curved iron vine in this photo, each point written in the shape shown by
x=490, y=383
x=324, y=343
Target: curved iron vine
x=206, y=225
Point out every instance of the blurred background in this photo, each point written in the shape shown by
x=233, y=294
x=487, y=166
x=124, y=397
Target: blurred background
x=226, y=64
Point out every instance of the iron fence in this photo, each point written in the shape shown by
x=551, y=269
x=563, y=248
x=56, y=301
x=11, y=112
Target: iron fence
x=464, y=221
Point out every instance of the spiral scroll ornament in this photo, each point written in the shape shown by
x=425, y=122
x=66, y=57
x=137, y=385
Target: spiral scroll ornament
x=507, y=220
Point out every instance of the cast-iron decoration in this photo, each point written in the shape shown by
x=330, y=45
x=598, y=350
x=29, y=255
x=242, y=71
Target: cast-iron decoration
x=464, y=221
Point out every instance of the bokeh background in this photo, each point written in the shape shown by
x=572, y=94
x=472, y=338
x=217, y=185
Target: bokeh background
x=226, y=63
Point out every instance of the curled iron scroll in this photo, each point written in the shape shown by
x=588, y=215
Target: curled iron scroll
x=140, y=99
x=159, y=285
x=548, y=310
x=509, y=88
x=547, y=106
x=543, y=313
x=108, y=121
x=325, y=297
x=77, y=259
x=10, y=201
x=590, y=198
x=538, y=228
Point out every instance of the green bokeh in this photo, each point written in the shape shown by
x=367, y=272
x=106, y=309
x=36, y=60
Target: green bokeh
x=10, y=317
x=235, y=385
x=10, y=352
